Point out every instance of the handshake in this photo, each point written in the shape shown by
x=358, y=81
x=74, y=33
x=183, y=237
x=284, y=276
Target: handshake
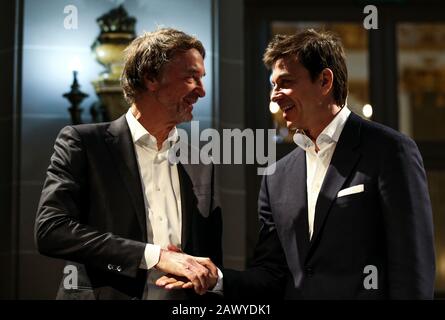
x=185, y=271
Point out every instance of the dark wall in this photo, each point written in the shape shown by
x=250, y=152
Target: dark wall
x=9, y=113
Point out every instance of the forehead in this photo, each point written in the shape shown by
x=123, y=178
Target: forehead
x=187, y=61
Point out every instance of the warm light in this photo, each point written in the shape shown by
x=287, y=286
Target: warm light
x=367, y=110
x=441, y=267
x=101, y=53
x=274, y=107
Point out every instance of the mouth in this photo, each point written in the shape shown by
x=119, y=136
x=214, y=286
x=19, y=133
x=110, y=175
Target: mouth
x=286, y=108
x=190, y=101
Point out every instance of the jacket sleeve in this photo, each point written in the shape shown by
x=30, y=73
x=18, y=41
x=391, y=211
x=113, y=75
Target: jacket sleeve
x=266, y=276
x=408, y=223
x=59, y=231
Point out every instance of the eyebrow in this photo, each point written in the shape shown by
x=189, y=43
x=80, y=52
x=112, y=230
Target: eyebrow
x=195, y=70
x=281, y=75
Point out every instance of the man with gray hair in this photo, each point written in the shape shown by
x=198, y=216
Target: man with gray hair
x=112, y=203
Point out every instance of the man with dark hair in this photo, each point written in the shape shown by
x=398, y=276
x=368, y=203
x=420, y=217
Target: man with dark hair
x=347, y=214
x=112, y=202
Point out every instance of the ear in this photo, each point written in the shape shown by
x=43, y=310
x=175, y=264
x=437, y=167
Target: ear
x=151, y=83
x=327, y=79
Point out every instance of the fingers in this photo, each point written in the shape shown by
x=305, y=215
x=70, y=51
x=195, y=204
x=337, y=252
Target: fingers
x=175, y=285
x=173, y=282
x=165, y=280
x=201, y=274
x=187, y=285
x=206, y=262
x=162, y=281
x=170, y=283
x=212, y=279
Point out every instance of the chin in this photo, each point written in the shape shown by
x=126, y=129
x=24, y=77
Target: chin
x=291, y=125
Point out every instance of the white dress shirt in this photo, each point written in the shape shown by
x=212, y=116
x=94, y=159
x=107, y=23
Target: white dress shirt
x=162, y=197
x=317, y=163
x=160, y=184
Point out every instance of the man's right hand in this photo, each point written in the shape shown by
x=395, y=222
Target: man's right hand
x=183, y=265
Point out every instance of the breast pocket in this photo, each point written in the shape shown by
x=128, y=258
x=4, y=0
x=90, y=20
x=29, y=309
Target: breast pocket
x=358, y=194
x=350, y=199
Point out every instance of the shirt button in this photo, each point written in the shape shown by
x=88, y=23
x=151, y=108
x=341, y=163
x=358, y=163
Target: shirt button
x=119, y=269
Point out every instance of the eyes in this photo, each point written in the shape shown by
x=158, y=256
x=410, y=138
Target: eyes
x=194, y=79
x=281, y=83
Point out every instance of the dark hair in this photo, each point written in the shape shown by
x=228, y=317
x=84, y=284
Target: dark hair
x=148, y=53
x=315, y=50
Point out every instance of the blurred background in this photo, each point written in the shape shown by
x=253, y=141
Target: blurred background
x=49, y=48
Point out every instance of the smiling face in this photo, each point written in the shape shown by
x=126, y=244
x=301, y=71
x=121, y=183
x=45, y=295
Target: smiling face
x=298, y=96
x=179, y=85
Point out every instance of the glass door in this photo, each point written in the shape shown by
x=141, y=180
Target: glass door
x=421, y=109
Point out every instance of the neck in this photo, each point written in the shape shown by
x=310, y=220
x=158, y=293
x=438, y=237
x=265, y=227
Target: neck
x=322, y=121
x=153, y=120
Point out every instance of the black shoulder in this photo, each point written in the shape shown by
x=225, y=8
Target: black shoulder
x=91, y=128
x=281, y=165
x=383, y=135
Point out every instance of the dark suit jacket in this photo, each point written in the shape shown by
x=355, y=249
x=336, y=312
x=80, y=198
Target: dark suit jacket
x=92, y=211
x=388, y=226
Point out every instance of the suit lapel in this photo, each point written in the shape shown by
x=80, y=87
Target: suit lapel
x=187, y=196
x=300, y=204
x=121, y=145
x=291, y=212
x=343, y=161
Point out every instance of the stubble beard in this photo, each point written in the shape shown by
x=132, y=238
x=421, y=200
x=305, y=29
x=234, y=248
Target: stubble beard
x=182, y=115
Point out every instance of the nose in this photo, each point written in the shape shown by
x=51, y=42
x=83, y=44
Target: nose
x=275, y=95
x=200, y=89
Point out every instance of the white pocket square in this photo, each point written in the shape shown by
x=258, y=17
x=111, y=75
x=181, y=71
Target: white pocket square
x=351, y=190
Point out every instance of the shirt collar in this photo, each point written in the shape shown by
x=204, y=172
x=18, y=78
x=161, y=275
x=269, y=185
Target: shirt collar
x=331, y=133
x=140, y=134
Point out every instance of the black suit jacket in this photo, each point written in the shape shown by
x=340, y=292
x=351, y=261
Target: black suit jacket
x=92, y=212
x=388, y=226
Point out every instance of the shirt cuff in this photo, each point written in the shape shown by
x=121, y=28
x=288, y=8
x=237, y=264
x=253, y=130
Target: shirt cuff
x=218, y=288
x=151, y=256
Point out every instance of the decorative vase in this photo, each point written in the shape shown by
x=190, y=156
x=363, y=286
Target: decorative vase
x=116, y=32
